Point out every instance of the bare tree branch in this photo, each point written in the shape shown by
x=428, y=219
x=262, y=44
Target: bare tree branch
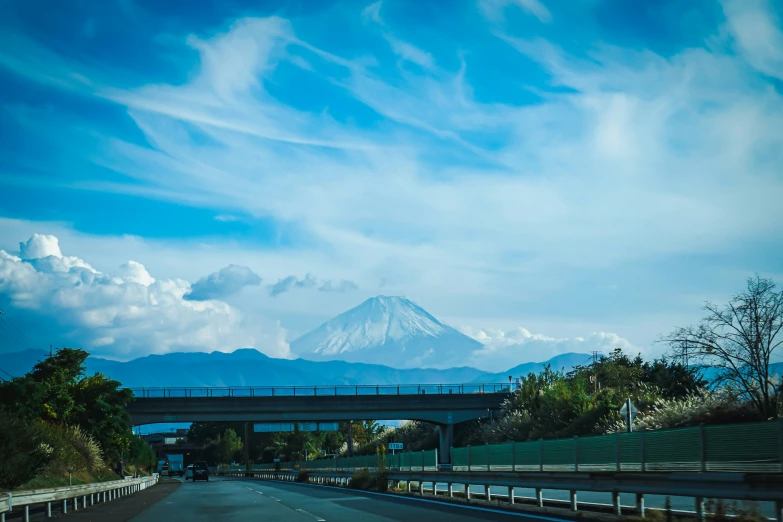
x=740, y=341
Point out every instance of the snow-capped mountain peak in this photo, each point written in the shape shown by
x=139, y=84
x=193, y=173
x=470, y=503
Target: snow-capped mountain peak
x=388, y=330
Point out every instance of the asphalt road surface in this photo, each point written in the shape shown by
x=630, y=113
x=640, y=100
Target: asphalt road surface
x=269, y=501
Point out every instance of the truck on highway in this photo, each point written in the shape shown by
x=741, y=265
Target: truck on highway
x=176, y=464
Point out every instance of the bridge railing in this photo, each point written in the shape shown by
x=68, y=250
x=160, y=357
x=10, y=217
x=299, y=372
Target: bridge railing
x=321, y=390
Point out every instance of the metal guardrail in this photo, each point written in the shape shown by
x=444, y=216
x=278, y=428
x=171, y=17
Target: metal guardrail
x=319, y=391
x=699, y=486
x=110, y=490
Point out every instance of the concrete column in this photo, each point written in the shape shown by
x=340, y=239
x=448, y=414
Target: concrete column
x=246, y=444
x=467, y=491
x=48, y=510
x=640, y=503
x=104, y=497
x=92, y=499
x=616, y=503
x=511, y=494
x=445, y=442
x=450, y=487
x=76, y=504
x=65, y=506
x=27, y=514
x=574, y=506
x=84, y=501
x=700, y=509
x=487, y=494
x=539, y=497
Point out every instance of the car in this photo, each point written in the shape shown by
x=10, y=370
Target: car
x=200, y=471
x=189, y=472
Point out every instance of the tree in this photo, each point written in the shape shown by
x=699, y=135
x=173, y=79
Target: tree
x=739, y=341
x=57, y=391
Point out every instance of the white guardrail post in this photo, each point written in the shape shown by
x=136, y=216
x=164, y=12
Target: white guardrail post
x=114, y=488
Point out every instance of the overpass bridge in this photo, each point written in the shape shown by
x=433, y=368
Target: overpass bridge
x=441, y=404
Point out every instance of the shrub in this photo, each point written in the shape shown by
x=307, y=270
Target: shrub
x=88, y=448
x=303, y=476
x=23, y=451
x=365, y=480
x=362, y=479
x=382, y=482
x=64, y=453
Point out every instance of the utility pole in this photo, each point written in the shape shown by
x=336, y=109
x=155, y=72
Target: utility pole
x=595, y=373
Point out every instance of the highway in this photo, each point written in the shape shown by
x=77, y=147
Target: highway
x=224, y=499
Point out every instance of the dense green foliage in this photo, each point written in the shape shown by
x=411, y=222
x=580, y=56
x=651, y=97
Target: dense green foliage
x=23, y=454
x=265, y=447
x=69, y=419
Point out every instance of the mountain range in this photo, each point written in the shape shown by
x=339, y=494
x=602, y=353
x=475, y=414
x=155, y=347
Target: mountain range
x=249, y=367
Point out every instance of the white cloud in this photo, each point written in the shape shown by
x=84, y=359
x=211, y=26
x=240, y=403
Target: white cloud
x=125, y=314
x=134, y=272
x=289, y=283
x=373, y=13
x=503, y=349
x=44, y=251
x=494, y=10
x=343, y=285
x=404, y=50
x=225, y=282
x=756, y=31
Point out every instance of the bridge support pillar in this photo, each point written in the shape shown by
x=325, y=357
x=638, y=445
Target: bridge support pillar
x=446, y=441
x=246, y=444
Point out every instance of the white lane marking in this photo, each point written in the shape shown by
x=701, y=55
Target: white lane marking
x=474, y=508
x=275, y=499
x=319, y=519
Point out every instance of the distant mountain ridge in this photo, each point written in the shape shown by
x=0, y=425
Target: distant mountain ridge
x=249, y=367
x=392, y=331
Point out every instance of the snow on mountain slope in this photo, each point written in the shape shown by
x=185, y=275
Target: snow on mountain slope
x=387, y=330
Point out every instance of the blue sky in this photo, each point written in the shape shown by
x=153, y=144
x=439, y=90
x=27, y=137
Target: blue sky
x=562, y=167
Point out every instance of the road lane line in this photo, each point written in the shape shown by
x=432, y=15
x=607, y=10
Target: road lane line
x=319, y=519
x=442, y=503
x=275, y=499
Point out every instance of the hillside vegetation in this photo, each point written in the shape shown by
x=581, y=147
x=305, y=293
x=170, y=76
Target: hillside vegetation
x=56, y=418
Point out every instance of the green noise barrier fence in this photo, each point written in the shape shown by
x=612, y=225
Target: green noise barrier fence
x=751, y=447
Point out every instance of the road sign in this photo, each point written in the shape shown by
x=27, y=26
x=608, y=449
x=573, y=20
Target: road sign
x=395, y=445
x=629, y=412
x=276, y=460
x=170, y=417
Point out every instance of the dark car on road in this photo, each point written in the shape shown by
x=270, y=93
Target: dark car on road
x=200, y=471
